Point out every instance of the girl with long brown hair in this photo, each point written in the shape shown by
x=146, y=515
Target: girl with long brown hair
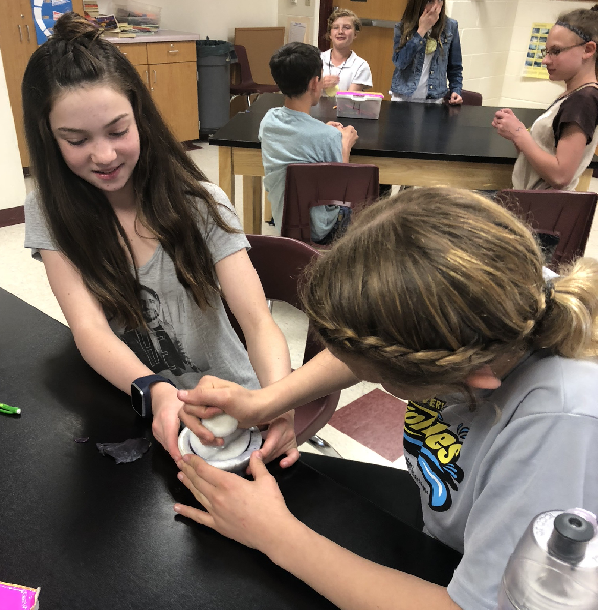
x=562, y=141
x=427, y=55
x=138, y=245
x=439, y=295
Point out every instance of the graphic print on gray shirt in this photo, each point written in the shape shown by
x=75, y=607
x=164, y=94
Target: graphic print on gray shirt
x=528, y=447
x=184, y=342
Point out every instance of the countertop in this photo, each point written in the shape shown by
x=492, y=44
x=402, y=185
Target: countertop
x=159, y=36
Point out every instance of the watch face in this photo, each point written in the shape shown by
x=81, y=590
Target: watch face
x=137, y=400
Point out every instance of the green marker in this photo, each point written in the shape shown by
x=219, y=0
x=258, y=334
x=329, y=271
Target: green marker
x=8, y=410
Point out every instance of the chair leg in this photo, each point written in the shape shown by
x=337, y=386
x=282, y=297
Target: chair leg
x=323, y=446
x=269, y=303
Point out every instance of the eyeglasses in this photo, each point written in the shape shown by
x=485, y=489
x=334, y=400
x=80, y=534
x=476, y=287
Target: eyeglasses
x=555, y=52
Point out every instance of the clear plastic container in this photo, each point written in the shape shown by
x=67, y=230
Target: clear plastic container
x=137, y=13
x=554, y=565
x=358, y=104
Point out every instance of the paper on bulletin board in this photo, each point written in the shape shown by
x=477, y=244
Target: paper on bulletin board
x=45, y=14
x=533, y=67
x=297, y=29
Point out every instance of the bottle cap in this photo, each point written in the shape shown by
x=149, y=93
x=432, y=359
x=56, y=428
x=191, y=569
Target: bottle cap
x=570, y=536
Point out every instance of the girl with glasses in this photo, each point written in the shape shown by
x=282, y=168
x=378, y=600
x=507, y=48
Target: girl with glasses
x=342, y=69
x=561, y=142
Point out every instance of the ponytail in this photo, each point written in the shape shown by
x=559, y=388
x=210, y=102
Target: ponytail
x=569, y=324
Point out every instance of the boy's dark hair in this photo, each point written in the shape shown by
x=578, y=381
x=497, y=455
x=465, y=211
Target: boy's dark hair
x=293, y=66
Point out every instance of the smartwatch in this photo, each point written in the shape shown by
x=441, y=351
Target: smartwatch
x=141, y=399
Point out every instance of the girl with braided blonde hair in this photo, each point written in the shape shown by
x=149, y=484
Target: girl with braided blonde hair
x=439, y=295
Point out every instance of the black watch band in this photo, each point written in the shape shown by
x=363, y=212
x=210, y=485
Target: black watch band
x=141, y=399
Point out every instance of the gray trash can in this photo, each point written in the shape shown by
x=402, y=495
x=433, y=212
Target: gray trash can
x=214, y=62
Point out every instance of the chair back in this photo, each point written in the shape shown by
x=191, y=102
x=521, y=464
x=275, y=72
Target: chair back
x=565, y=214
x=244, y=66
x=311, y=184
x=471, y=98
x=280, y=263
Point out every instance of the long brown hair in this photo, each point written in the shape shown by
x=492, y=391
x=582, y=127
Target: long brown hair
x=434, y=283
x=411, y=17
x=166, y=182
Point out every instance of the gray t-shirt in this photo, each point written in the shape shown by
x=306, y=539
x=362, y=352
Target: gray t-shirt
x=289, y=136
x=184, y=342
x=485, y=474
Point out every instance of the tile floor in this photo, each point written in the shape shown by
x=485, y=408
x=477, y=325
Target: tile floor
x=24, y=277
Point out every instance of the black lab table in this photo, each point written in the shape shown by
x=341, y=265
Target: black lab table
x=412, y=144
x=99, y=536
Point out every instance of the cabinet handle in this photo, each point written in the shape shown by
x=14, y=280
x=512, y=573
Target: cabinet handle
x=20, y=33
x=173, y=50
x=28, y=36
x=154, y=79
x=148, y=79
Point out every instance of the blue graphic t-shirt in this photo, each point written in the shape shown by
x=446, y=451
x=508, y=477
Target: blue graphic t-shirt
x=528, y=447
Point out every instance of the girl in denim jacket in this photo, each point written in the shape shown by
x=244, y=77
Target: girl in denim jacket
x=426, y=55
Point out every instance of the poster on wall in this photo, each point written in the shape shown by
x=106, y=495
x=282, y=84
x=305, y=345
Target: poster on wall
x=45, y=14
x=533, y=67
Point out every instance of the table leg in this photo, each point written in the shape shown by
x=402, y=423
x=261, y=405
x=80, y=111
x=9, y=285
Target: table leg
x=267, y=208
x=584, y=181
x=252, y=204
x=226, y=177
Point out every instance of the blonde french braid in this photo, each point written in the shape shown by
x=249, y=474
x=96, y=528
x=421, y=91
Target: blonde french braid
x=434, y=283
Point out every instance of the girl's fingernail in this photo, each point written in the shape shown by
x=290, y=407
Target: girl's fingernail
x=187, y=458
x=180, y=476
x=182, y=393
x=177, y=508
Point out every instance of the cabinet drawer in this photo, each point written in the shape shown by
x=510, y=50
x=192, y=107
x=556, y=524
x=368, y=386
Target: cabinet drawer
x=135, y=53
x=171, y=52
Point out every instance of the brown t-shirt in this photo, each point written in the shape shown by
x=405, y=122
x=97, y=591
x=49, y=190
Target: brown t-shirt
x=581, y=108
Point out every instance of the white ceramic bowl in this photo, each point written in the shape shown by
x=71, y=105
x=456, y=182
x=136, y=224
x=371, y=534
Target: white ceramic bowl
x=234, y=464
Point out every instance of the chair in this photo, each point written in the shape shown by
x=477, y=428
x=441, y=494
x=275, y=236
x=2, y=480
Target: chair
x=311, y=184
x=247, y=86
x=567, y=215
x=469, y=98
x=280, y=263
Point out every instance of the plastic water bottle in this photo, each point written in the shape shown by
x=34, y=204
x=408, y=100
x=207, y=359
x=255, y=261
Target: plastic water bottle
x=554, y=565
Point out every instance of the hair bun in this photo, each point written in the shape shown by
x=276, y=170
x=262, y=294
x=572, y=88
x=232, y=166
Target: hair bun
x=71, y=26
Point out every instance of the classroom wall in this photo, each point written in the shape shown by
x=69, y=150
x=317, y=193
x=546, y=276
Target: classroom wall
x=518, y=91
x=304, y=11
x=12, y=193
x=485, y=33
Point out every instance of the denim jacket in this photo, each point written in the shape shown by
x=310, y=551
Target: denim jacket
x=445, y=65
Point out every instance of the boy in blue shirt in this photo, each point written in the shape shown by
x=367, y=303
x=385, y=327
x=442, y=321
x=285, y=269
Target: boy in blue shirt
x=290, y=135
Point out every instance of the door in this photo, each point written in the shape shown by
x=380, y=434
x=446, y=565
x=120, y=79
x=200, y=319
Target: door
x=375, y=41
x=175, y=92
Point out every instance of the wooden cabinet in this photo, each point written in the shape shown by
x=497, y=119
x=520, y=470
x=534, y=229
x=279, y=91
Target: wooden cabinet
x=170, y=72
x=17, y=42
